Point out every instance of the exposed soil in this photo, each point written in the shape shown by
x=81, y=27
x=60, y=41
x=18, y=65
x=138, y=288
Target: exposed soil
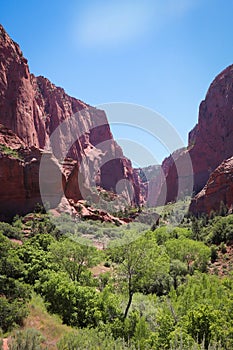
x=224, y=263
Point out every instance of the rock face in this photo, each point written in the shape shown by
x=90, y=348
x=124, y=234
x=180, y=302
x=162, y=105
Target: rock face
x=210, y=142
x=19, y=176
x=32, y=108
x=165, y=183
x=151, y=179
x=219, y=189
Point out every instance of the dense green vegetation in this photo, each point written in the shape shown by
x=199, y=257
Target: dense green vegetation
x=9, y=151
x=155, y=292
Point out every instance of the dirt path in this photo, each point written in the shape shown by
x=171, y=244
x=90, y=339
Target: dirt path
x=5, y=346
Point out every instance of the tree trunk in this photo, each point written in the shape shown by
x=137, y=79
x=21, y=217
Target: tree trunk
x=128, y=305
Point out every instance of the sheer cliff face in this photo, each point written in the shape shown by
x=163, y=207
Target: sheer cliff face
x=32, y=107
x=218, y=189
x=210, y=142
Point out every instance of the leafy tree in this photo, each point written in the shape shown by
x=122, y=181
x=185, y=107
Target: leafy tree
x=221, y=230
x=204, y=323
x=12, y=312
x=196, y=229
x=195, y=254
x=213, y=254
x=36, y=258
x=180, y=339
x=74, y=258
x=77, y=305
x=13, y=292
x=165, y=233
x=140, y=262
x=10, y=231
x=203, y=306
x=178, y=271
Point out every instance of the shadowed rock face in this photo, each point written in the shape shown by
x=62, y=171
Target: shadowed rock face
x=219, y=188
x=19, y=176
x=32, y=108
x=210, y=143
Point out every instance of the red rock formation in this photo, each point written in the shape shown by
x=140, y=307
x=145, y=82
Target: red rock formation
x=168, y=182
x=19, y=176
x=211, y=140
x=219, y=188
x=33, y=108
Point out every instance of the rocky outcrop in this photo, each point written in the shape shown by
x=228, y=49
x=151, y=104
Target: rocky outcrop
x=19, y=176
x=211, y=140
x=43, y=116
x=219, y=189
x=168, y=182
x=150, y=179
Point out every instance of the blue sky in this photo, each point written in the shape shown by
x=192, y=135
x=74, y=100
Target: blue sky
x=160, y=54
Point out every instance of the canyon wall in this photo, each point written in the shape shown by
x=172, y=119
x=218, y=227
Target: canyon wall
x=45, y=118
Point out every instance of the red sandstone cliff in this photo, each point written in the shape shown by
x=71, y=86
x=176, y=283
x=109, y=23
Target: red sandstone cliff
x=19, y=176
x=32, y=108
x=210, y=143
x=219, y=188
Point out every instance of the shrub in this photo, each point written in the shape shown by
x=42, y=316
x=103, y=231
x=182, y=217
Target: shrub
x=29, y=339
x=213, y=254
x=91, y=339
x=11, y=313
x=10, y=231
x=9, y=151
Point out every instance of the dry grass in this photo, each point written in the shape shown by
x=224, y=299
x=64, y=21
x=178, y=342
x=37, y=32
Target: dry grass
x=224, y=263
x=50, y=326
x=99, y=269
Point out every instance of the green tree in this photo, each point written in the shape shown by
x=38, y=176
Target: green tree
x=204, y=324
x=13, y=292
x=139, y=263
x=74, y=258
x=77, y=305
x=36, y=257
x=221, y=230
x=178, y=271
x=195, y=254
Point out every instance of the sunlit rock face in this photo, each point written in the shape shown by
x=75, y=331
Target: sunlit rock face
x=218, y=190
x=33, y=109
x=210, y=143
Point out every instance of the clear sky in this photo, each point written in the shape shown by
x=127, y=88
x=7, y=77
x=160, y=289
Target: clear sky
x=161, y=54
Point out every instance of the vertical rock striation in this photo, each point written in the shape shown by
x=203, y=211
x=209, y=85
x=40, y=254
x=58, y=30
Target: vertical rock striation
x=33, y=109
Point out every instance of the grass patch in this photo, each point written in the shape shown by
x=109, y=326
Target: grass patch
x=50, y=326
x=9, y=151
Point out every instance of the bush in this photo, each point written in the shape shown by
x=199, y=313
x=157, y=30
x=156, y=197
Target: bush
x=91, y=339
x=213, y=254
x=29, y=339
x=223, y=248
x=11, y=313
x=10, y=231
